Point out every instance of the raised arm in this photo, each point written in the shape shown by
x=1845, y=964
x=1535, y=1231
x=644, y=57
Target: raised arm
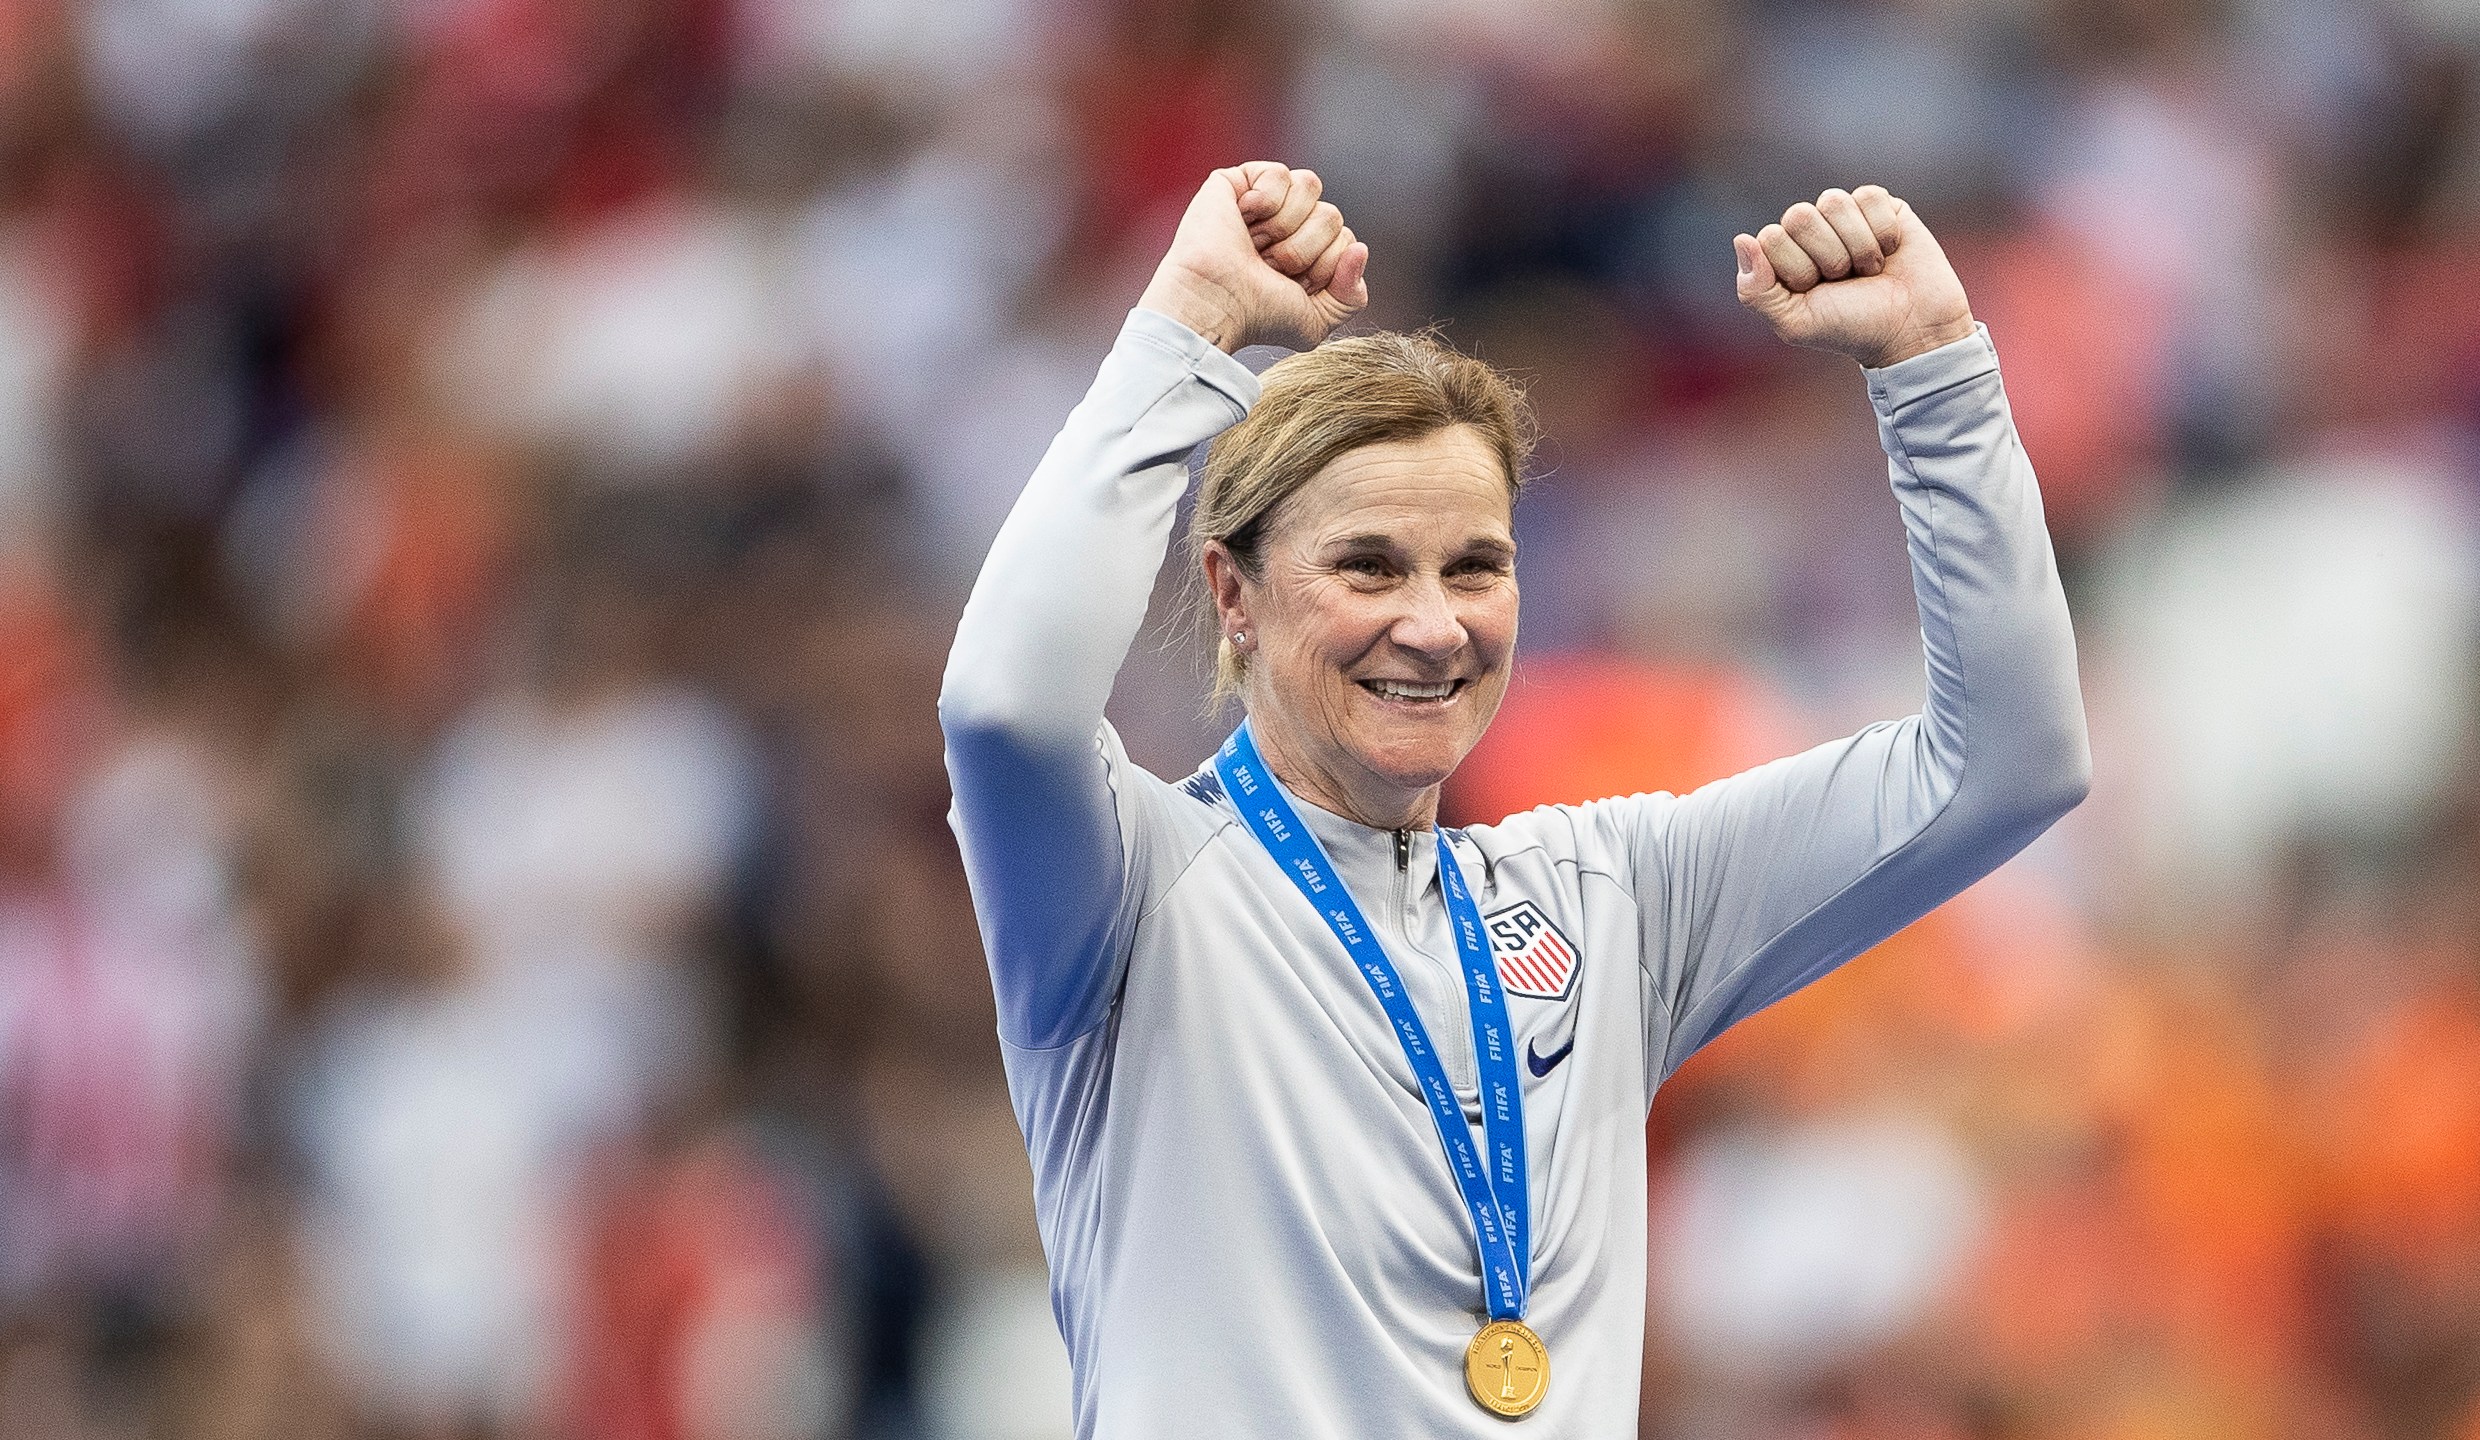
x=1771, y=878
x=1259, y=258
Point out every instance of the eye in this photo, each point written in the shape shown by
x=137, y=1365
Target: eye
x=1480, y=569
x=1366, y=565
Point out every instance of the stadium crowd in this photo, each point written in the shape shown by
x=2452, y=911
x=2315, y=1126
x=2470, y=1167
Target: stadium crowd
x=486, y=485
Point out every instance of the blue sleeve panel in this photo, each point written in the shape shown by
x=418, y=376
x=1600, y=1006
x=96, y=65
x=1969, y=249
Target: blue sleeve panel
x=1051, y=617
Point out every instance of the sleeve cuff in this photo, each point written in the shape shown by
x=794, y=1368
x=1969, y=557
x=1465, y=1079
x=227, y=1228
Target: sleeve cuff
x=1908, y=381
x=1202, y=358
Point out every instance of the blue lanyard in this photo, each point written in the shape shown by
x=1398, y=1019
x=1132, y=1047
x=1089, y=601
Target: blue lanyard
x=1501, y=1210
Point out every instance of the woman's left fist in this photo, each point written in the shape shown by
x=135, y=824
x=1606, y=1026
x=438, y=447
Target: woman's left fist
x=1855, y=273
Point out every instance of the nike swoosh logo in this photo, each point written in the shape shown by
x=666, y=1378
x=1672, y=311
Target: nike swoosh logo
x=1543, y=1064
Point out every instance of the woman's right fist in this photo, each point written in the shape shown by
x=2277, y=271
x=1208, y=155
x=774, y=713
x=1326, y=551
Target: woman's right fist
x=1261, y=259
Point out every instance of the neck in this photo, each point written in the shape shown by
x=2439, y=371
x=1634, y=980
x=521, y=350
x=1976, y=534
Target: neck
x=1372, y=802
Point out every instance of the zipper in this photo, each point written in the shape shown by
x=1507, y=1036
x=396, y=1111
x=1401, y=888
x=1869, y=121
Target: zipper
x=1403, y=884
x=1458, y=1043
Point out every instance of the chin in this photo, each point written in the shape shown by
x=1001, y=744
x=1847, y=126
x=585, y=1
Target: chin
x=1415, y=752
x=1416, y=762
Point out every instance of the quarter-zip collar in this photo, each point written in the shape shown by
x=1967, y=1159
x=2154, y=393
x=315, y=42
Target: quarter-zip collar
x=1380, y=866
x=1409, y=910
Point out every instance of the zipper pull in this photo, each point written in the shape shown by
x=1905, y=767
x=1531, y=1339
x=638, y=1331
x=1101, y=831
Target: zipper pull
x=1403, y=851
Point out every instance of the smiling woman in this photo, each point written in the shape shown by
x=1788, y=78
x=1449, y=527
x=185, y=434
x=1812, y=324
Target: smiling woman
x=1262, y=1025
x=1360, y=557
x=1318, y=407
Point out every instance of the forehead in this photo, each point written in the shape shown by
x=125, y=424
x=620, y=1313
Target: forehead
x=1443, y=487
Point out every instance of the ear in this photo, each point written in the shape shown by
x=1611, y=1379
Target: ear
x=1229, y=585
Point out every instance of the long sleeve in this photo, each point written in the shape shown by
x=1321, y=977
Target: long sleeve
x=1769, y=879
x=1050, y=619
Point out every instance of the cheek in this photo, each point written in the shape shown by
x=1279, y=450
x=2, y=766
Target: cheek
x=1492, y=622
x=1329, y=629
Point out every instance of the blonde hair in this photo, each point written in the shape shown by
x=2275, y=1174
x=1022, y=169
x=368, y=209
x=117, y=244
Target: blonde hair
x=1320, y=405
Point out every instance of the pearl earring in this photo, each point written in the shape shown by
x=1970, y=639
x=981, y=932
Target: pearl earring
x=1240, y=639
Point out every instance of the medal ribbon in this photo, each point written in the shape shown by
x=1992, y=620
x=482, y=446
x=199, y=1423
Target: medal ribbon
x=1494, y=1193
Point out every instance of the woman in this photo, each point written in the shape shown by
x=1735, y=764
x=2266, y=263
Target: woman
x=1336, y=1119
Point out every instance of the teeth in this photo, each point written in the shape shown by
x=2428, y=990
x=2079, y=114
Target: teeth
x=1412, y=689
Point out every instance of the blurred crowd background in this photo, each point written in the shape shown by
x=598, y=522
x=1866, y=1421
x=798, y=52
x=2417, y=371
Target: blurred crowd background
x=485, y=487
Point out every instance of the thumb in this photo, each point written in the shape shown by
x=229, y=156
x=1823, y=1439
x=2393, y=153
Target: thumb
x=1912, y=231
x=1259, y=188
x=1222, y=204
x=1342, y=298
x=1759, y=288
x=1351, y=282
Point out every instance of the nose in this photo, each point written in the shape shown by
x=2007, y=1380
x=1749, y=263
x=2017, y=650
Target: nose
x=1429, y=625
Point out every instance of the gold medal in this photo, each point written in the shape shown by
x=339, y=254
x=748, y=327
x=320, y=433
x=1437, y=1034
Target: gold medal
x=1507, y=1368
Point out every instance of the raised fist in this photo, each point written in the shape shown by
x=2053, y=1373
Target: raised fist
x=1855, y=273
x=1260, y=259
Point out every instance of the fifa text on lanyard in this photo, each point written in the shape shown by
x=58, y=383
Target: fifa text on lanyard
x=1506, y=1367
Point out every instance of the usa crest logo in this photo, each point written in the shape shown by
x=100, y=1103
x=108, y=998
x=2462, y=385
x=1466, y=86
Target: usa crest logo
x=1534, y=958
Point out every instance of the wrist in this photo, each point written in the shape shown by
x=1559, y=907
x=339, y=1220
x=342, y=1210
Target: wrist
x=1913, y=344
x=1203, y=308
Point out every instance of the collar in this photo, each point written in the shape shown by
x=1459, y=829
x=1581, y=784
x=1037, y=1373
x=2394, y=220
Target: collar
x=1364, y=856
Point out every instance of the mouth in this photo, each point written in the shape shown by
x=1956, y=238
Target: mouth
x=1417, y=693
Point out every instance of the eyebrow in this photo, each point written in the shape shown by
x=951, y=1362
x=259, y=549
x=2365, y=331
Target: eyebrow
x=1379, y=540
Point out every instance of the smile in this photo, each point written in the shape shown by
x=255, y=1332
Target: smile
x=1416, y=692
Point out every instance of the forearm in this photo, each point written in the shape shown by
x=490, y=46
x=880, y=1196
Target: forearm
x=2003, y=722
x=1042, y=637
x=1065, y=588
x=1774, y=877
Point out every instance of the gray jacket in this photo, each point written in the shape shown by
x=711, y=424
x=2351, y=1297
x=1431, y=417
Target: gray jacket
x=1252, y=1230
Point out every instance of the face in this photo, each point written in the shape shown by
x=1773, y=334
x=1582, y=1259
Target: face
x=1381, y=625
